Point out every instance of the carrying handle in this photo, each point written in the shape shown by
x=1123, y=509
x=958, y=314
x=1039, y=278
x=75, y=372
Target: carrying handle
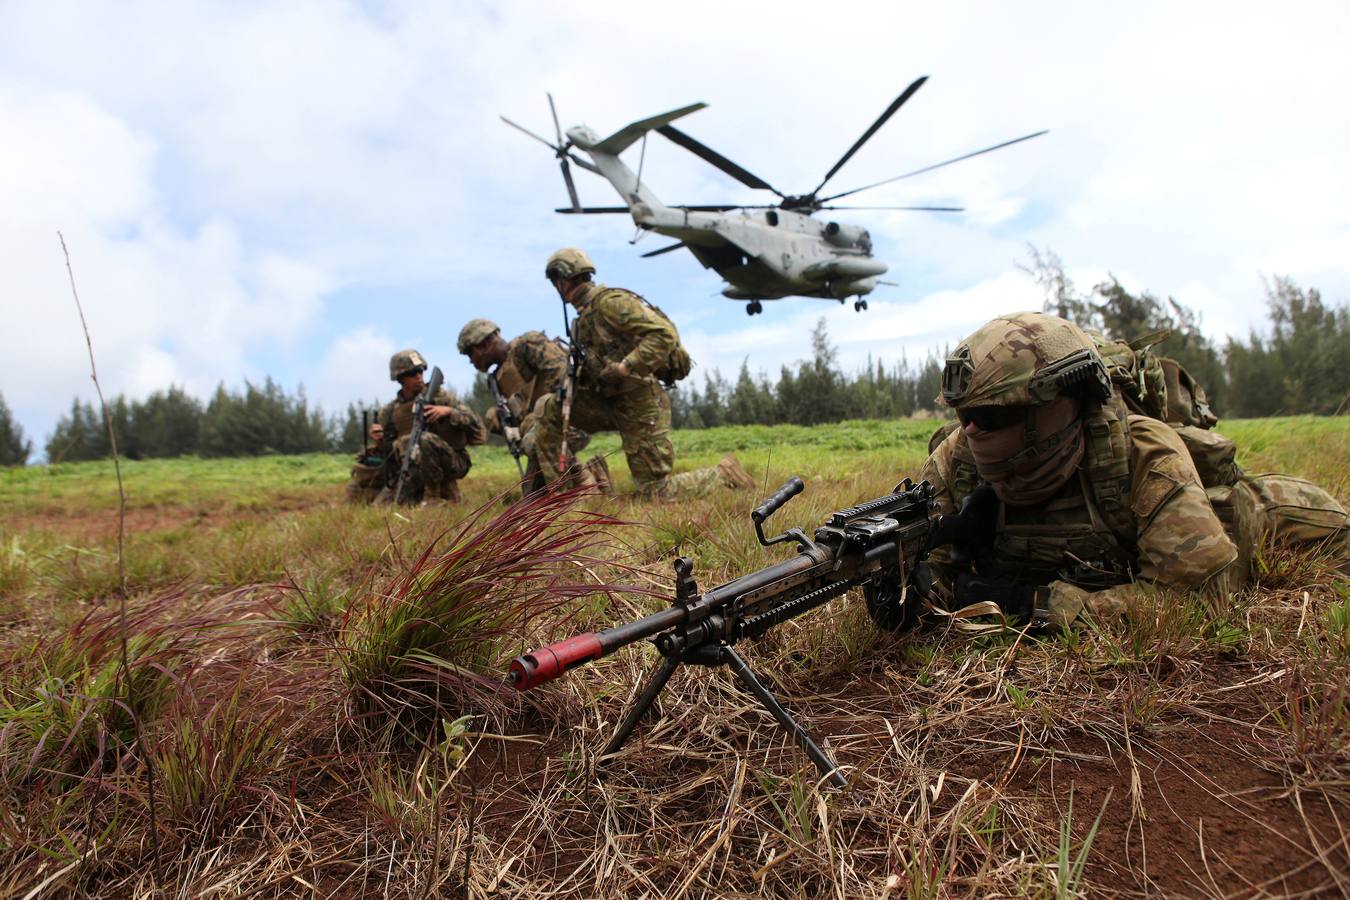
x=791, y=488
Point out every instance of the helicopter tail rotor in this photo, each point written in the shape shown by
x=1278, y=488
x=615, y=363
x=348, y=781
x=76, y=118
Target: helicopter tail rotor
x=561, y=150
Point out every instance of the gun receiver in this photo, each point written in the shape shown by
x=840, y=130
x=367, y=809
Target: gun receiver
x=874, y=545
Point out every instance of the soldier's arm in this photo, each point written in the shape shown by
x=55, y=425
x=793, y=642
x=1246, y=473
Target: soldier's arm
x=1182, y=544
x=937, y=470
x=460, y=418
x=386, y=421
x=530, y=356
x=655, y=339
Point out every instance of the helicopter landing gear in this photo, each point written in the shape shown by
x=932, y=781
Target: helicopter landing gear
x=859, y=305
x=753, y=308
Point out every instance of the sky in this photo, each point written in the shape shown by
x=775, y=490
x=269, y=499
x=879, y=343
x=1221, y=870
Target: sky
x=299, y=189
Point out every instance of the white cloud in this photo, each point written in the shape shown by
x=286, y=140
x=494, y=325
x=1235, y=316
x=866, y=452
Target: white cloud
x=223, y=172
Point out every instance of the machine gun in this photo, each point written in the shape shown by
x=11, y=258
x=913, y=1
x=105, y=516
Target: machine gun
x=507, y=418
x=419, y=425
x=875, y=545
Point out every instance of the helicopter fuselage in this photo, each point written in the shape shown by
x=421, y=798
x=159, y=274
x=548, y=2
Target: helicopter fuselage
x=762, y=254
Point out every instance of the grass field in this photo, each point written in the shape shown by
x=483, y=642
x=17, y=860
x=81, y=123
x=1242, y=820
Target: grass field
x=300, y=697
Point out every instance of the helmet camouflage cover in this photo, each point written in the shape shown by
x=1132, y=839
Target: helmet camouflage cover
x=404, y=362
x=568, y=262
x=474, y=333
x=1023, y=359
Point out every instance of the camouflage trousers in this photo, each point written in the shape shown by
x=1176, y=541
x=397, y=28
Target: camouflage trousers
x=367, y=480
x=534, y=477
x=435, y=471
x=640, y=413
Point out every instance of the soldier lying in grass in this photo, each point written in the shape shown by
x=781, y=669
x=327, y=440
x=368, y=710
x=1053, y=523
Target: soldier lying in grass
x=1089, y=501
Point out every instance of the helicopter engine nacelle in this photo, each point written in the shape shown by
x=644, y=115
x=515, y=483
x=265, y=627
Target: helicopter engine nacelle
x=850, y=237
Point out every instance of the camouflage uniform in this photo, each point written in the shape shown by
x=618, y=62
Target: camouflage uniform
x=1130, y=510
x=534, y=370
x=443, y=458
x=614, y=325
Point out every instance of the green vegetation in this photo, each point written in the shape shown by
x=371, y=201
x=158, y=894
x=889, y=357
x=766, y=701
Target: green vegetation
x=14, y=449
x=313, y=695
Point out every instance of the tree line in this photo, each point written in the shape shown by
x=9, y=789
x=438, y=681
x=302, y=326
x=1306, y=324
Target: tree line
x=1298, y=364
x=251, y=421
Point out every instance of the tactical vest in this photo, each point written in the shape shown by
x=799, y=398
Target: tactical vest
x=531, y=391
x=605, y=345
x=1088, y=520
x=400, y=414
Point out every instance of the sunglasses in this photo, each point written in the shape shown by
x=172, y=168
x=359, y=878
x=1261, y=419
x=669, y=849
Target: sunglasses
x=992, y=418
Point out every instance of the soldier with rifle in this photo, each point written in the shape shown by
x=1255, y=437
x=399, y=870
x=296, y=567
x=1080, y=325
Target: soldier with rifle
x=367, y=478
x=522, y=373
x=624, y=352
x=422, y=435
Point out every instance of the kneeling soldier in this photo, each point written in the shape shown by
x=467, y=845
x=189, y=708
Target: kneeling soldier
x=440, y=460
x=522, y=373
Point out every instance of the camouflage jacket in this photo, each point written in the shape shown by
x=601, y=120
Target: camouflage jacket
x=460, y=428
x=614, y=325
x=1175, y=540
x=539, y=363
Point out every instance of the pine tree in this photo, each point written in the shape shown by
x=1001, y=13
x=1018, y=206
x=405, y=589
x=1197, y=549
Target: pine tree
x=14, y=450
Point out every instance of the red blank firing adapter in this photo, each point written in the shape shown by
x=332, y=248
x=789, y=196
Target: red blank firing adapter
x=547, y=663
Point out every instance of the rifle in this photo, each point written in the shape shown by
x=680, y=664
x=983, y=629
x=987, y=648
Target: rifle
x=508, y=419
x=576, y=358
x=419, y=425
x=876, y=545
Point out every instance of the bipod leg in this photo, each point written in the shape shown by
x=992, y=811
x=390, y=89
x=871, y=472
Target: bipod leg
x=789, y=724
x=642, y=704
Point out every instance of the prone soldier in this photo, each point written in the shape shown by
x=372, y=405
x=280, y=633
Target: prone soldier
x=440, y=459
x=1090, y=503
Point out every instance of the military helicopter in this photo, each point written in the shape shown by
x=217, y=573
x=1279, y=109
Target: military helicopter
x=765, y=252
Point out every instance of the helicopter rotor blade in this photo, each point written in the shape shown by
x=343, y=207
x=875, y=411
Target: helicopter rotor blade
x=890, y=111
x=868, y=187
x=652, y=253
x=709, y=155
x=571, y=188
x=525, y=130
x=708, y=207
x=553, y=109
x=916, y=208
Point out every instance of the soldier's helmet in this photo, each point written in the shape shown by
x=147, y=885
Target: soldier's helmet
x=568, y=262
x=1024, y=359
x=474, y=333
x=405, y=362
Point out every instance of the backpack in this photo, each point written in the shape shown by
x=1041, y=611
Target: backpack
x=678, y=363
x=1162, y=389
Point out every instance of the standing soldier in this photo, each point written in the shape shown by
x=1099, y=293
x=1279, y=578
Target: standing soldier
x=627, y=349
x=440, y=459
x=522, y=373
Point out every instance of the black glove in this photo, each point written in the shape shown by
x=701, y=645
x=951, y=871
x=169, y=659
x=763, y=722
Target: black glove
x=1017, y=599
